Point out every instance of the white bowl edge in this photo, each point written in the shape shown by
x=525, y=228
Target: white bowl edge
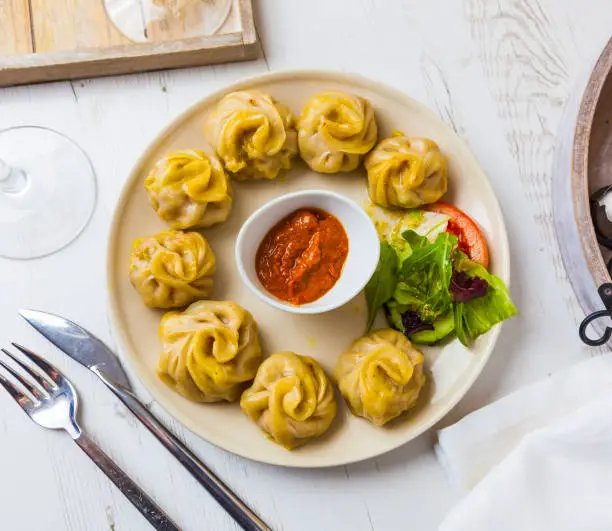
x=357, y=271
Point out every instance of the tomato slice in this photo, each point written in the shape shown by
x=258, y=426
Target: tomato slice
x=471, y=240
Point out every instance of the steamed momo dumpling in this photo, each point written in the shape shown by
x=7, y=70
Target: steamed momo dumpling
x=335, y=130
x=190, y=189
x=172, y=268
x=254, y=135
x=380, y=375
x=209, y=351
x=291, y=399
x=406, y=172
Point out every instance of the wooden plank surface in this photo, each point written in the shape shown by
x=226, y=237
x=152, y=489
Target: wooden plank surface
x=177, y=25
x=190, y=18
x=75, y=38
x=35, y=68
x=15, y=35
x=247, y=20
x=62, y=25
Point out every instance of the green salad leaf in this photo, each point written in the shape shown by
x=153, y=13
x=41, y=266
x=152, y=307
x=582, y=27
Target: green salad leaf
x=381, y=286
x=393, y=313
x=401, y=247
x=425, y=276
x=404, y=238
x=419, y=282
x=478, y=316
x=442, y=326
x=415, y=240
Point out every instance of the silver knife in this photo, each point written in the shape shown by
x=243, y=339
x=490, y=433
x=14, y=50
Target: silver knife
x=89, y=351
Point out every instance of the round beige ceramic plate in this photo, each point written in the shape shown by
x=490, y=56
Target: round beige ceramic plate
x=452, y=368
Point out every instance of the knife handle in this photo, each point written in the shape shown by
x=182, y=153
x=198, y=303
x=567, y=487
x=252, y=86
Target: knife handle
x=236, y=508
x=148, y=508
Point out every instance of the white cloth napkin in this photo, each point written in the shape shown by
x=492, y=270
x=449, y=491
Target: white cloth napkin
x=539, y=459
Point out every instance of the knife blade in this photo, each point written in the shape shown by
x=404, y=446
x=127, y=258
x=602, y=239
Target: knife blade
x=79, y=344
x=88, y=350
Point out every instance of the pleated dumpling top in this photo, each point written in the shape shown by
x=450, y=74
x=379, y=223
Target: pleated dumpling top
x=253, y=135
x=172, y=269
x=291, y=399
x=406, y=172
x=380, y=375
x=209, y=351
x=335, y=131
x=190, y=189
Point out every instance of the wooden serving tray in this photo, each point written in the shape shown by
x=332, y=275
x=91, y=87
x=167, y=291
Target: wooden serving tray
x=49, y=40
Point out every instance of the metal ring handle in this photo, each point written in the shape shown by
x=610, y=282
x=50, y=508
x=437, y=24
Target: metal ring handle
x=587, y=321
x=605, y=293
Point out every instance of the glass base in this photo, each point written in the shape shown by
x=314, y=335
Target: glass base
x=162, y=20
x=52, y=196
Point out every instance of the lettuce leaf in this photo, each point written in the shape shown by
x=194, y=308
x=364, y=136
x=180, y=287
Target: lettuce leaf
x=414, y=276
x=422, y=224
x=425, y=276
x=380, y=287
x=479, y=315
x=415, y=240
x=439, y=329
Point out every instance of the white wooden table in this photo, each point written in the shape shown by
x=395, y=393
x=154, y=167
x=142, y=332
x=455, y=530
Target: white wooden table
x=499, y=72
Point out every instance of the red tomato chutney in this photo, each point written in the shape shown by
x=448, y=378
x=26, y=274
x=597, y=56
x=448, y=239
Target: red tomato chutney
x=301, y=257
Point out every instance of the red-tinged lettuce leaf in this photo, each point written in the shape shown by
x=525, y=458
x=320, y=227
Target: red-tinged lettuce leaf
x=479, y=315
x=464, y=288
x=412, y=323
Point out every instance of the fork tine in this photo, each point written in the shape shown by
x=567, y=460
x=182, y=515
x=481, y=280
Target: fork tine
x=23, y=400
x=54, y=374
x=42, y=381
x=33, y=390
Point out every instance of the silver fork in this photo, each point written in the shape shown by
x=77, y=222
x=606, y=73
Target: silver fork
x=51, y=401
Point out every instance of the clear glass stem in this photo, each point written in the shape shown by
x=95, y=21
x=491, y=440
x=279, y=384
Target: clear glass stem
x=12, y=180
x=47, y=191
